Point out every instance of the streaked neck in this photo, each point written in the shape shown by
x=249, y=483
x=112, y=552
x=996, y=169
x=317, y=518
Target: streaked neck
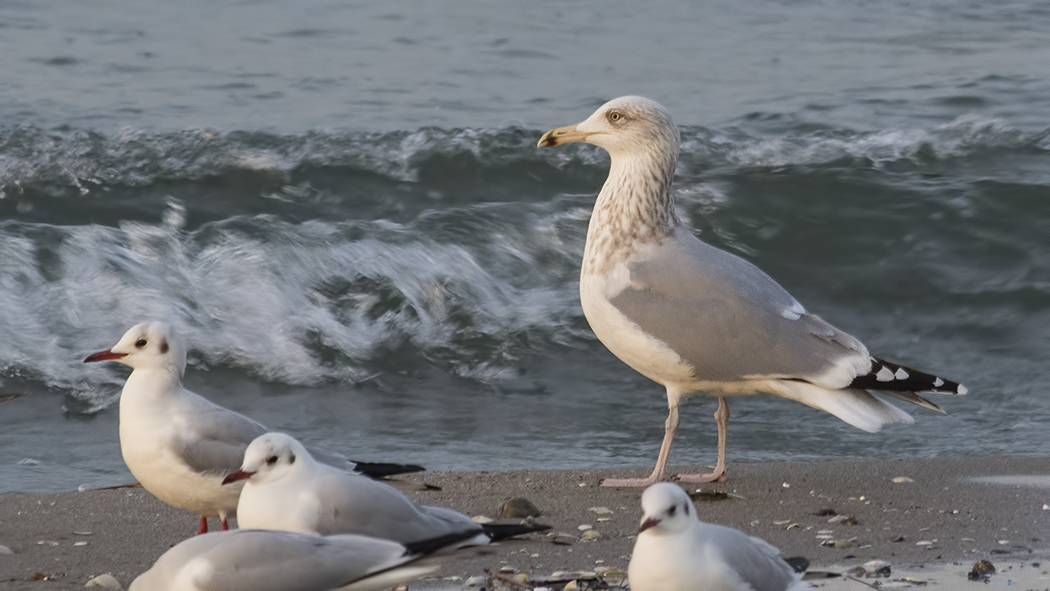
x=634, y=208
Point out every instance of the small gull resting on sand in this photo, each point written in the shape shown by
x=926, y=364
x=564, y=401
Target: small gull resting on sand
x=259, y=560
x=288, y=490
x=699, y=320
x=178, y=444
x=675, y=551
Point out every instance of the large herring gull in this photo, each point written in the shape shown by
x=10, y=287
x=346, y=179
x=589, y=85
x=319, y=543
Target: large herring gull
x=699, y=320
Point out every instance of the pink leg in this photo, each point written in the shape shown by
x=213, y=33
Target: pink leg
x=719, y=474
x=204, y=526
x=659, y=472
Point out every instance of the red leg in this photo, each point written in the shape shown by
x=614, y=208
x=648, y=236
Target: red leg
x=225, y=527
x=204, y=526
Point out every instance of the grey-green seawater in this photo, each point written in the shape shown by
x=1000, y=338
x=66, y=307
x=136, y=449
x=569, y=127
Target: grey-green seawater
x=342, y=210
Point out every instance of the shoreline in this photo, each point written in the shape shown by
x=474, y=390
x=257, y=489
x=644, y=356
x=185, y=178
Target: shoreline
x=938, y=511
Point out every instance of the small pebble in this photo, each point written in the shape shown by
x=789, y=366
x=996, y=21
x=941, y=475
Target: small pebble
x=570, y=586
x=520, y=578
x=843, y=520
x=902, y=479
x=482, y=519
x=476, y=581
x=106, y=581
x=562, y=539
x=585, y=527
x=5, y=551
x=80, y=543
x=589, y=535
x=876, y=569
x=518, y=508
x=600, y=510
x=981, y=570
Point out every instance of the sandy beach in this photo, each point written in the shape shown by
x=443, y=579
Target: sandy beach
x=929, y=519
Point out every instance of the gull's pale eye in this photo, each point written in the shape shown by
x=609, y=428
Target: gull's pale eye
x=271, y=460
x=140, y=343
x=615, y=116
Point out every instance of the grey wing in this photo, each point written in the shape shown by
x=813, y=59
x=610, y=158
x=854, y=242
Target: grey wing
x=261, y=560
x=212, y=439
x=264, y=560
x=354, y=504
x=336, y=460
x=731, y=321
x=754, y=560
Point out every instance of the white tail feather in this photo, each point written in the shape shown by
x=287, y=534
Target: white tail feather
x=857, y=407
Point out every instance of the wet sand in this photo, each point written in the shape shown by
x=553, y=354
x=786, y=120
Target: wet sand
x=939, y=518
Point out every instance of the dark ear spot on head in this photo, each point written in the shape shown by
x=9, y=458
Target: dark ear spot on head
x=164, y=346
x=291, y=460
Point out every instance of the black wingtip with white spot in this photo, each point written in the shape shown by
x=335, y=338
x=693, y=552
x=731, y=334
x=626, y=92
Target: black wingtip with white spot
x=503, y=531
x=799, y=564
x=895, y=379
x=380, y=470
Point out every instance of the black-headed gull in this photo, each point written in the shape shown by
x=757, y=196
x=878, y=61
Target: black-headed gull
x=287, y=489
x=262, y=560
x=178, y=444
x=675, y=551
x=699, y=320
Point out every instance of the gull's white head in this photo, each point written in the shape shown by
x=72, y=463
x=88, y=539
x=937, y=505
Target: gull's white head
x=149, y=345
x=270, y=457
x=666, y=509
x=626, y=126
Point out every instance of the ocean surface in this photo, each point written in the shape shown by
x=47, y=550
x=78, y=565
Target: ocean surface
x=341, y=208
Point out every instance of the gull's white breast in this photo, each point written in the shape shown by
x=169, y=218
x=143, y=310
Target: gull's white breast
x=150, y=430
x=675, y=563
x=647, y=355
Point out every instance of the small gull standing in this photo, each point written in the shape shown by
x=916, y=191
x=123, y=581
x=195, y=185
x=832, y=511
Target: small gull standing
x=288, y=490
x=260, y=560
x=675, y=551
x=697, y=319
x=178, y=444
